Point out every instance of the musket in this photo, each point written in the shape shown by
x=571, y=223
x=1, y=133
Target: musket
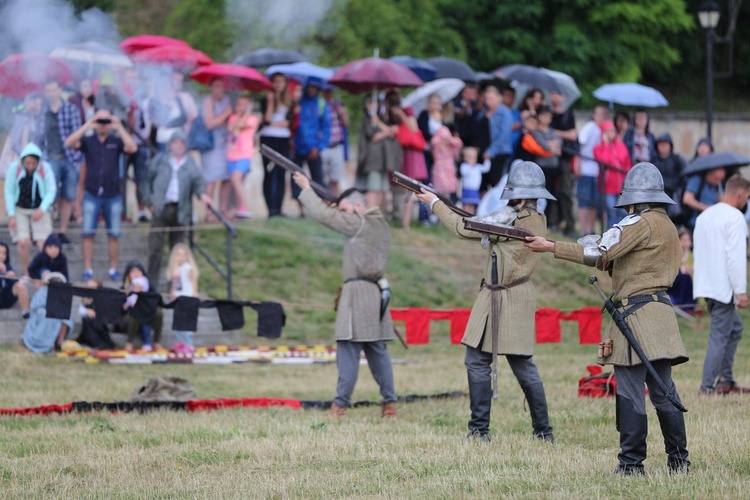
x=495, y=301
x=628, y=333
x=287, y=164
x=415, y=186
x=502, y=230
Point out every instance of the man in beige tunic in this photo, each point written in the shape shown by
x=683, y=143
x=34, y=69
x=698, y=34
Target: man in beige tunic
x=360, y=323
x=643, y=254
x=517, y=302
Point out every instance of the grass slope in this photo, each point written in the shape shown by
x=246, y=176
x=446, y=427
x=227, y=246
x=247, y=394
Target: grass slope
x=284, y=453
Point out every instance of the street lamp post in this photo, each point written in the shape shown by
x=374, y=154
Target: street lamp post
x=709, y=13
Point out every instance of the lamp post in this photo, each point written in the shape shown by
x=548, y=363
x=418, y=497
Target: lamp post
x=709, y=13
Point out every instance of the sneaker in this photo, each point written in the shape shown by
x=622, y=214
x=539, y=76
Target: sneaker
x=143, y=218
x=87, y=275
x=147, y=348
x=25, y=314
x=114, y=275
x=243, y=213
x=64, y=239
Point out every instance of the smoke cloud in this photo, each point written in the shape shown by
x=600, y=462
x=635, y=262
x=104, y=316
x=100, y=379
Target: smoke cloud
x=275, y=23
x=42, y=25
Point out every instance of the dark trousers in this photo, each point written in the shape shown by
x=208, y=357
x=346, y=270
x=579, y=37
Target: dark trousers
x=139, y=161
x=274, y=182
x=315, y=165
x=165, y=224
x=723, y=338
x=347, y=362
x=479, y=370
x=552, y=183
x=498, y=165
x=565, y=191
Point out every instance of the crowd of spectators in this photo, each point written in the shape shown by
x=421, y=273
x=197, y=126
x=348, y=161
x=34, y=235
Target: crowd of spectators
x=75, y=154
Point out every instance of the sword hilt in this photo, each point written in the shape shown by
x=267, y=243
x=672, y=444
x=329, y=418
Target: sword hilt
x=595, y=282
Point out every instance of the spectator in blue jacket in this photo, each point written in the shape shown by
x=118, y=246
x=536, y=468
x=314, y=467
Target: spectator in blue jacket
x=501, y=126
x=313, y=132
x=30, y=190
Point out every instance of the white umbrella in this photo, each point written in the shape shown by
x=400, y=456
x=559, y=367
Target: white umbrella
x=446, y=88
x=565, y=84
x=92, y=53
x=631, y=94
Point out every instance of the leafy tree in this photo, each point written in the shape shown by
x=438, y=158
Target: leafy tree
x=135, y=17
x=203, y=24
x=353, y=28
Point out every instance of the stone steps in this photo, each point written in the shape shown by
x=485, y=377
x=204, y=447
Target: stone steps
x=133, y=246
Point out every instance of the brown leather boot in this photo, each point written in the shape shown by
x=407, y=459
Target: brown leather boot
x=389, y=410
x=337, y=411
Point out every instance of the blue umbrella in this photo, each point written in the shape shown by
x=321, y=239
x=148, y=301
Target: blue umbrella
x=301, y=71
x=631, y=94
x=423, y=69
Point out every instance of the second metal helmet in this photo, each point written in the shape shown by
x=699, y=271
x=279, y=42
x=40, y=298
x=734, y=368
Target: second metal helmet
x=526, y=181
x=643, y=184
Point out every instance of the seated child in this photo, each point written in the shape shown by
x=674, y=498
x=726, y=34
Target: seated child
x=51, y=259
x=42, y=334
x=11, y=289
x=139, y=284
x=94, y=332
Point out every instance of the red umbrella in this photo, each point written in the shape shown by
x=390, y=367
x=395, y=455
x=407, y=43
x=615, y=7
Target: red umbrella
x=372, y=73
x=144, y=42
x=236, y=77
x=177, y=56
x=24, y=73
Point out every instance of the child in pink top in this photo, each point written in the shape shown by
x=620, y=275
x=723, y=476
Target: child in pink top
x=243, y=125
x=445, y=148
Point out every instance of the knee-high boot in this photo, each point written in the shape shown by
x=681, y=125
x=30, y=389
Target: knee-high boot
x=538, y=409
x=480, y=402
x=633, y=429
x=675, y=440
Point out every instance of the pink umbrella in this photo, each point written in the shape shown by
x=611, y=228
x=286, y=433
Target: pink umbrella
x=177, y=56
x=372, y=73
x=144, y=42
x=21, y=74
x=235, y=76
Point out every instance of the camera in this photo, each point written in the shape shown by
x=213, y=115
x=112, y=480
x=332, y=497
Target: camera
x=103, y=121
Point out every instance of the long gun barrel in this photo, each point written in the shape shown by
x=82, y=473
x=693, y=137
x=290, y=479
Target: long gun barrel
x=287, y=164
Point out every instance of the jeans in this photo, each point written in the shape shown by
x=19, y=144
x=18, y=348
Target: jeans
x=66, y=175
x=111, y=207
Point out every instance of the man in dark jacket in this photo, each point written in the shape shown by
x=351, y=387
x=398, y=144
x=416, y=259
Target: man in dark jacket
x=313, y=133
x=173, y=180
x=670, y=165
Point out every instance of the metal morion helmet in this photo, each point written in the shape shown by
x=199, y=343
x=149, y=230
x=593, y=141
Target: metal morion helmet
x=526, y=182
x=643, y=184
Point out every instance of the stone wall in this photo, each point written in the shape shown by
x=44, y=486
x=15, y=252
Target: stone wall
x=730, y=132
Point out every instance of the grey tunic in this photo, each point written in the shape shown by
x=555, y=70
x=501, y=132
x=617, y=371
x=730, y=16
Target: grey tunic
x=365, y=256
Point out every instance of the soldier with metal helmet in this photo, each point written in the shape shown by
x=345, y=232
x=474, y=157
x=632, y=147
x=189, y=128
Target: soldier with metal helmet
x=514, y=333
x=642, y=253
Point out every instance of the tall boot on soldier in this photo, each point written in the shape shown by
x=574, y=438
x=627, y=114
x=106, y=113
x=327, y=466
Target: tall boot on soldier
x=539, y=415
x=633, y=429
x=675, y=441
x=480, y=402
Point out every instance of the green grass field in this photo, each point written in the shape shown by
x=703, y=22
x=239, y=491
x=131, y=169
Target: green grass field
x=285, y=453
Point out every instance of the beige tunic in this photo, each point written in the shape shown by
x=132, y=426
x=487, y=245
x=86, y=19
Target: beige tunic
x=517, y=332
x=646, y=260
x=365, y=256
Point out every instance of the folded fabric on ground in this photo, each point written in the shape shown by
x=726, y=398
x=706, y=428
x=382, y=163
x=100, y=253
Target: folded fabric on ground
x=108, y=306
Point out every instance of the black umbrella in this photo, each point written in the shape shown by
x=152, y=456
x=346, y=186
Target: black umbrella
x=268, y=56
x=452, y=68
x=422, y=69
x=528, y=75
x=716, y=160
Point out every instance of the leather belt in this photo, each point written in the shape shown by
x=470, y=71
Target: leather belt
x=489, y=286
x=635, y=302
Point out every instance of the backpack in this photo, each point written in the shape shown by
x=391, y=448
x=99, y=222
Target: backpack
x=200, y=138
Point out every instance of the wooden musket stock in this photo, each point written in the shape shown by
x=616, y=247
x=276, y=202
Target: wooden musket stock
x=416, y=187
